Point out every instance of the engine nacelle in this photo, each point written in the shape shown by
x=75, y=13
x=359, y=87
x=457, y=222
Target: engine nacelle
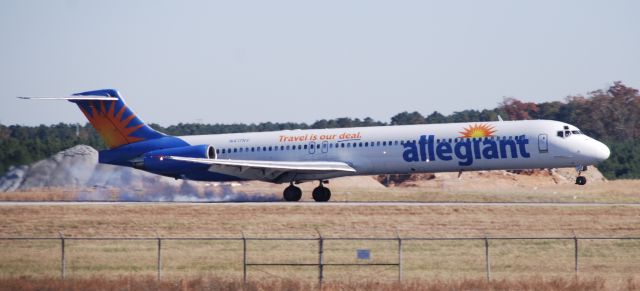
x=154, y=161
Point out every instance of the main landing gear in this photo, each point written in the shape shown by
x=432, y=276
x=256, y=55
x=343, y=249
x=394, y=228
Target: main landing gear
x=292, y=193
x=319, y=194
x=581, y=180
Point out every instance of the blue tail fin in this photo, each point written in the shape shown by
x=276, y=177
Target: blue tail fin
x=113, y=120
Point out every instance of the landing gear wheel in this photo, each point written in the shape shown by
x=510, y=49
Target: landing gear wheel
x=581, y=180
x=321, y=194
x=292, y=193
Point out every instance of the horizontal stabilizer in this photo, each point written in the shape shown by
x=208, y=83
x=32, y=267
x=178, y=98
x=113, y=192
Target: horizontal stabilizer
x=74, y=98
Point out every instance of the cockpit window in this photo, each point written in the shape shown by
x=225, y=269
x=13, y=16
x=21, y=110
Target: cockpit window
x=566, y=132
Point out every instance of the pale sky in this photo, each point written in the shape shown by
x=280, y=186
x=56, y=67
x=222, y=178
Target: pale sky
x=300, y=61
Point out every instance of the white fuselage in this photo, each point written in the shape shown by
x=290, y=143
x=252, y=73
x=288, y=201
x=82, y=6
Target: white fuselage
x=418, y=148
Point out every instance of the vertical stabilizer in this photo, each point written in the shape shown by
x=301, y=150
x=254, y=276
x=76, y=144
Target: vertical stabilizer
x=114, y=121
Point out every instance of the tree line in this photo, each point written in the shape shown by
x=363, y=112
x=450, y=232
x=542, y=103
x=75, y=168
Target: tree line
x=611, y=115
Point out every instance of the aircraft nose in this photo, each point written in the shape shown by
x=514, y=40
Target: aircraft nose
x=602, y=151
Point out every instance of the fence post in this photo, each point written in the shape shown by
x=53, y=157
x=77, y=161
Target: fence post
x=486, y=258
x=159, y=257
x=575, y=253
x=320, y=260
x=62, y=256
x=399, y=256
x=244, y=259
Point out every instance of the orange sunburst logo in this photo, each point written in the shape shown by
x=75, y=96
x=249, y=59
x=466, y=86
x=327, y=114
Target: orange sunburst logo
x=111, y=125
x=478, y=130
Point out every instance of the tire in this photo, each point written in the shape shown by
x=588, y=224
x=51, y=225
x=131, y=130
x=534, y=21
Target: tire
x=292, y=193
x=321, y=194
x=581, y=180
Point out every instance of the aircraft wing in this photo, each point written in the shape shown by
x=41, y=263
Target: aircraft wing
x=271, y=171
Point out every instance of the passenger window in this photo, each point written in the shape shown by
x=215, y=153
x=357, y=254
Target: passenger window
x=377, y=143
x=223, y=151
x=253, y=149
x=366, y=144
x=342, y=145
x=384, y=143
x=217, y=151
x=235, y=150
x=305, y=147
x=360, y=144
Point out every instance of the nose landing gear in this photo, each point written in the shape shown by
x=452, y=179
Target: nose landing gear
x=581, y=180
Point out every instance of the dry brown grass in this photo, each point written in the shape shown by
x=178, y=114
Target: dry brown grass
x=427, y=265
x=301, y=220
x=423, y=260
x=212, y=283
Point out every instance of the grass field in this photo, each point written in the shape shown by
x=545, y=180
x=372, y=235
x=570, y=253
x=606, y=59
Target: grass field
x=427, y=265
x=214, y=283
x=425, y=261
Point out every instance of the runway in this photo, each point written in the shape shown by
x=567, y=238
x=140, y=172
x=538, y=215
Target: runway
x=318, y=204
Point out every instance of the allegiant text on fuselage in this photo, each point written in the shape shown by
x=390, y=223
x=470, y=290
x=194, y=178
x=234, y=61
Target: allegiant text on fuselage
x=465, y=150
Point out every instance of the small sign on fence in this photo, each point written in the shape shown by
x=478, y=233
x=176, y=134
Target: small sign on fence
x=363, y=254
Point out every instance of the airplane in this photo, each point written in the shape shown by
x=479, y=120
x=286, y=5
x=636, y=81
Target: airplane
x=296, y=156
